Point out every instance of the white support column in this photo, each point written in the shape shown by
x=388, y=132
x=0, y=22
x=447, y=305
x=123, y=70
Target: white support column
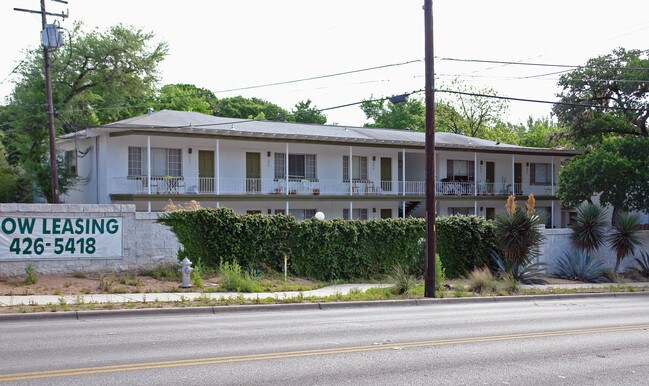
x=475, y=207
x=148, y=206
x=217, y=185
x=403, y=172
x=513, y=172
x=475, y=175
x=286, y=172
x=552, y=177
x=351, y=178
x=552, y=214
x=286, y=208
x=403, y=209
x=148, y=165
x=218, y=204
x=351, y=210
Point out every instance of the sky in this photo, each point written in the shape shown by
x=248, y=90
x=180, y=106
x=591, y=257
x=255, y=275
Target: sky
x=222, y=45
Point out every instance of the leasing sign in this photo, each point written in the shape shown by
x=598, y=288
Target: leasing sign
x=60, y=238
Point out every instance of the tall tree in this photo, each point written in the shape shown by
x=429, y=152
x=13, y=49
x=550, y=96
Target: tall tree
x=543, y=132
x=616, y=170
x=385, y=114
x=305, y=113
x=607, y=96
x=250, y=108
x=186, y=97
x=471, y=111
x=98, y=77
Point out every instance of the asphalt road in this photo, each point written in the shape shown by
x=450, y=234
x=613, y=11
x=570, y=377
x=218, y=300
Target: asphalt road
x=588, y=341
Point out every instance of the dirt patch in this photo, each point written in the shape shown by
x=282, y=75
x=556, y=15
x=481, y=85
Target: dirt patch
x=69, y=285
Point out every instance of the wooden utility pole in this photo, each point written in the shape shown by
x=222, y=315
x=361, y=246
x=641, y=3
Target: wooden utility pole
x=54, y=177
x=429, y=265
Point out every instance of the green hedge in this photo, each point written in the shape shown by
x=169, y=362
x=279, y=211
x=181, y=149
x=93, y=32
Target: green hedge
x=465, y=243
x=330, y=249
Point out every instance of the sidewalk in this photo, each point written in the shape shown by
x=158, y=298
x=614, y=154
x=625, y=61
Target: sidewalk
x=341, y=289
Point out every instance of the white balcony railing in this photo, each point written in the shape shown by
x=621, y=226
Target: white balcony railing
x=243, y=186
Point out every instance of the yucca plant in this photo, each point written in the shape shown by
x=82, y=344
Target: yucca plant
x=402, y=279
x=624, y=236
x=588, y=228
x=517, y=232
x=581, y=266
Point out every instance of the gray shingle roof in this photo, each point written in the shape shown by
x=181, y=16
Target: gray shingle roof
x=174, y=122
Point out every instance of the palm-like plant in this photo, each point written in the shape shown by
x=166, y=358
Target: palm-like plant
x=588, y=228
x=624, y=236
x=517, y=232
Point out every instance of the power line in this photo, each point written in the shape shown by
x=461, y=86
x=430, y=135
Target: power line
x=543, y=64
x=320, y=76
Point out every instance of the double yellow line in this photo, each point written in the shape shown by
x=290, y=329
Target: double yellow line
x=305, y=353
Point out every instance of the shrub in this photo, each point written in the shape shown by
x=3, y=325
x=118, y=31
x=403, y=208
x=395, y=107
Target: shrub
x=440, y=273
x=481, y=280
x=624, y=237
x=581, y=266
x=402, y=279
x=522, y=273
x=588, y=227
x=234, y=278
x=30, y=275
x=642, y=262
x=464, y=243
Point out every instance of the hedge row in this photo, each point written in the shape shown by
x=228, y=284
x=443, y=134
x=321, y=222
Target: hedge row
x=331, y=249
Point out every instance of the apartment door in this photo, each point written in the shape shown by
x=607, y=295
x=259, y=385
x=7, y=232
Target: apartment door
x=490, y=213
x=253, y=172
x=205, y=171
x=386, y=213
x=518, y=178
x=490, y=176
x=386, y=174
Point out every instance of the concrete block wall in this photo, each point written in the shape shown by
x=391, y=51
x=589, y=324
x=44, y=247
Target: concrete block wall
x=145, y=243
x=558, y=243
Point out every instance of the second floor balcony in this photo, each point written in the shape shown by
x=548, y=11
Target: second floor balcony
x=168, y=185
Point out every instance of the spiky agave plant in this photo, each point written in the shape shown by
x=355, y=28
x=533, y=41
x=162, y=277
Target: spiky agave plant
x=588, y=228
x=624, y=236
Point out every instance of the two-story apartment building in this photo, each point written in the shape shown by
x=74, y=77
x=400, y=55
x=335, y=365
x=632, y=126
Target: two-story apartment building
x=279, y=167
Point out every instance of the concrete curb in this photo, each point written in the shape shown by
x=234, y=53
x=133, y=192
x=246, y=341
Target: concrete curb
x=322, y=306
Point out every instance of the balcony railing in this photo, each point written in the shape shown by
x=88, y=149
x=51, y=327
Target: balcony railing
x=244, y=186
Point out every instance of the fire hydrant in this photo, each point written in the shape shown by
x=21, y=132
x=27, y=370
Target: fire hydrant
x=186, y=271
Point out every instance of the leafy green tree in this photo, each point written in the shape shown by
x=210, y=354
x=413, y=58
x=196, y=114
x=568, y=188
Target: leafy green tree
x=616, y=169
x=186, y=97
x=99, y=77
x=471, y=111
x=250, y=108
x=405, y=115
x=303, y=112
x=541, y=132
x=615, y=92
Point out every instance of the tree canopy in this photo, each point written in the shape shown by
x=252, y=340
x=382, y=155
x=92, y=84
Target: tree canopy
x=186, y=97
x=249, y=108
x=303, y=112
x=401, y=116
x=98, y=77
x=607, y=96
x=616, y=169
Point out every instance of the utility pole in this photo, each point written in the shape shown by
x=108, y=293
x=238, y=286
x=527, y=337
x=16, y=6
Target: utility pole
x=429, y=265
x=54, y=177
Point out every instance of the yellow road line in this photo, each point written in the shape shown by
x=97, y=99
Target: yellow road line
x=304, y=353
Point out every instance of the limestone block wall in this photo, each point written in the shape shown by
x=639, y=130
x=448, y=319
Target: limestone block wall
x=558, y=242
x=145, y=243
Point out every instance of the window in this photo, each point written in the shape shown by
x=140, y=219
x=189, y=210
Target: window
x=299, y=214
x=164, y=162
x=460, y=170
x=300, y=166
x=70, y=162
x=460, y=210
x=540, y=174
x=357, y=214
x=359, y=168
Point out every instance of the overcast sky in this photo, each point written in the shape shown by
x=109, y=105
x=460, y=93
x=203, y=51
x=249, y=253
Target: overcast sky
x=221, y=45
